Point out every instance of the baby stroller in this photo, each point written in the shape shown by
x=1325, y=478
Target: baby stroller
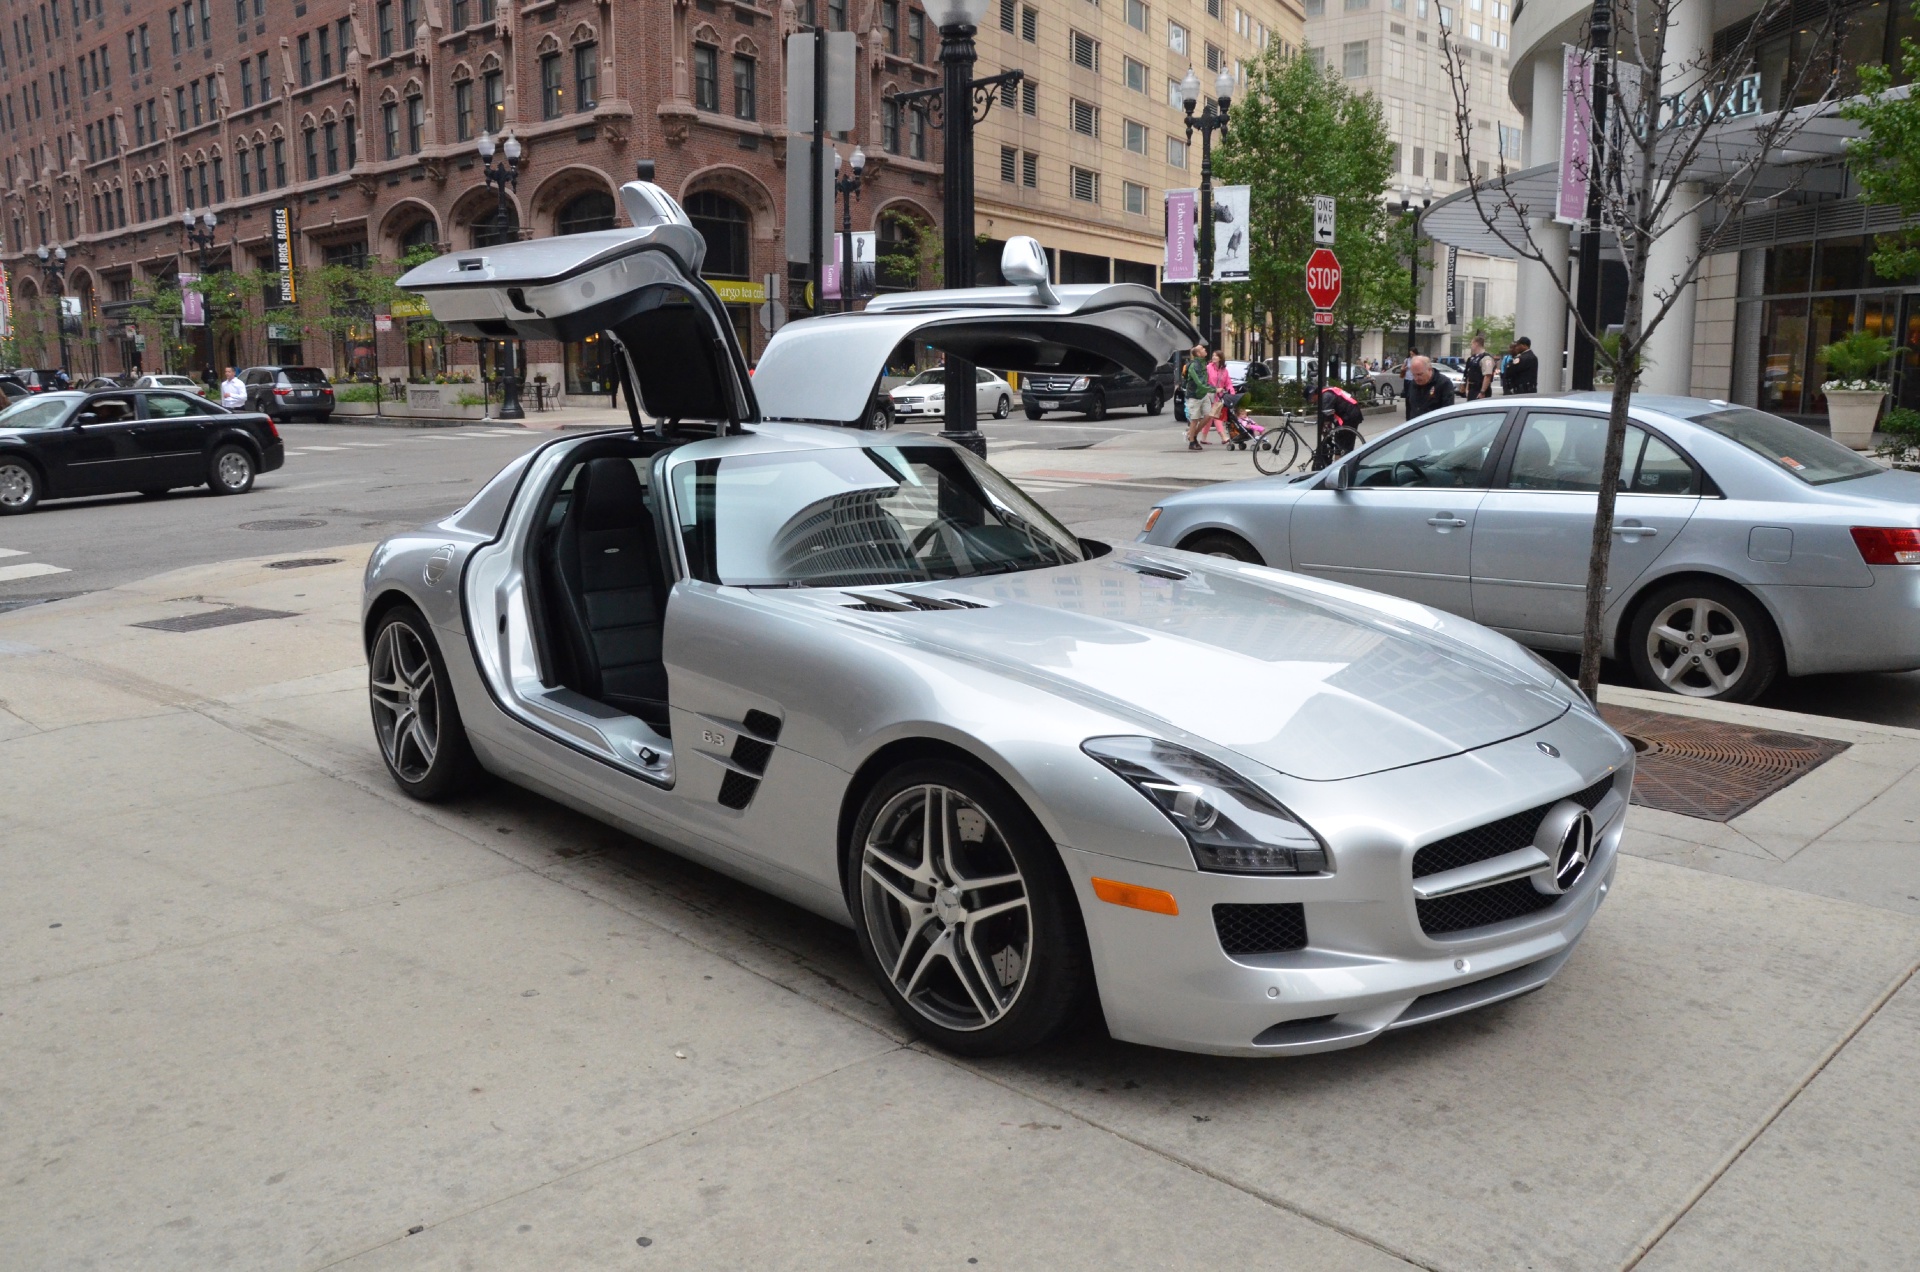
x=1240, y=427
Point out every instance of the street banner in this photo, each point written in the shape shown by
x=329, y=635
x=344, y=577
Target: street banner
x=1232, y=235
x=863, y=265
x=193, y=306
x=1182, y=265
x=6, y=303
x=1453, y=287
x=1576, y=135
x=283, y=253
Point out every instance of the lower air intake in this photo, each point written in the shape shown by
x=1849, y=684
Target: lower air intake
x=1261, y=929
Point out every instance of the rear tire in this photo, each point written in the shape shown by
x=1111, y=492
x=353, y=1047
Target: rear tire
x=1154, y=402
x=1098, y=410
x=415, y=718
x=230, y=470
x=1218, y=543
x=980, y=970
x=1703, y=639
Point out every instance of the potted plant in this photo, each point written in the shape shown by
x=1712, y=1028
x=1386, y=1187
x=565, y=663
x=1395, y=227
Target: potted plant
x=1854, y=394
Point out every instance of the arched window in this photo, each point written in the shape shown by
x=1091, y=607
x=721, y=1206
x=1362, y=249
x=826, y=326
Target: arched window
x=724, y=224
x=583, y=213
x=491, y=227
x=420, y=234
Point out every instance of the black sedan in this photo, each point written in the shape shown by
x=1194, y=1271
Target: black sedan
x=61, y=444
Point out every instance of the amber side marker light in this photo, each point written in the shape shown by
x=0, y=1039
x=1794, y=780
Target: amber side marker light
x=1151, y=518
x=1135, y=897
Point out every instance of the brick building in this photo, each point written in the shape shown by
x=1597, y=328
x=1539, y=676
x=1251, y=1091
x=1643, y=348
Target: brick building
x=362, y=116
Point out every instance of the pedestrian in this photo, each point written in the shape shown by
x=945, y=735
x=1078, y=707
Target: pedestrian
x=233, y=391
x=1347, y=415
x=1193, y=381
x=1427, y=389
x=1479, y=370
x=1406, y=373
x=1220, y=381
x=1523, y=373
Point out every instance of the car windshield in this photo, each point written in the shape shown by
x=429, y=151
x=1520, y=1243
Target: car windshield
x=47, y=410
x=303, y=375
x=1812, y=458
x=938, y=375
x=853, y=517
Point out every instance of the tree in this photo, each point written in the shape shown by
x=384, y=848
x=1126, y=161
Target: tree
x=1295, y=132
x=1886, y=160
x=1665, y=162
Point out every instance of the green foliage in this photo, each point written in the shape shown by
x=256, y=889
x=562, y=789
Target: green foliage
x=357, y=393
x=1609, y=360
x=918, y=254
x=1261, y=398
x=1886, y=159
x=1903, y=423
x=1497, y=332
x=1298, y=131
x=1860, y=355
x=471, y=399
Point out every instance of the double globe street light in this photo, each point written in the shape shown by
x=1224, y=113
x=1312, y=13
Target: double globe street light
x=199, y=231
x=848, y=188
x=1413, y=211
x=502, y=177
x=54, y=264
x=1207, y=122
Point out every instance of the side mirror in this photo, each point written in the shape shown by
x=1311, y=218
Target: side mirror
x=1340, y=476
x=1023, y=262
x=87, y=417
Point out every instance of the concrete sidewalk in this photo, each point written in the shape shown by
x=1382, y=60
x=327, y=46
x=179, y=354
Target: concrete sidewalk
x=257, y=1010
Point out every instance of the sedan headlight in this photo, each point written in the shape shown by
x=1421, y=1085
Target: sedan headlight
x=1232, y=825
x=1079, y=383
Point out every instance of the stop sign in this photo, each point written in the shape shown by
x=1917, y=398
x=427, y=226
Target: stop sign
x=1323, y=278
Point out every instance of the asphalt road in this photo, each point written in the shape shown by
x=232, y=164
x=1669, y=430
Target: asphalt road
x=350, y=484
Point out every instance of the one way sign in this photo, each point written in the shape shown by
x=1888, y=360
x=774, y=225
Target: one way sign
x=1323, y=220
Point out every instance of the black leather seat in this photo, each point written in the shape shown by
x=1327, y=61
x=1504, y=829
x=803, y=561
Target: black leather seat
x=604, y=560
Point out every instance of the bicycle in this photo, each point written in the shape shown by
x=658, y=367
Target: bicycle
x=1276, y=450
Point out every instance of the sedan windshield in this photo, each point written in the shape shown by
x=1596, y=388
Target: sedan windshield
x=938, y=375
x=49, y=410
x=1812, y=458
x=855, y=517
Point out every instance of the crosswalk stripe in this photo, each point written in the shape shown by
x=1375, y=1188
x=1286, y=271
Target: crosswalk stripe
x=310, y=449
x=28, y=570
x=7, y=552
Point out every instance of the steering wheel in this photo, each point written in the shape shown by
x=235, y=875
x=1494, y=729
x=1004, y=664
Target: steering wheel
x=1416, y=476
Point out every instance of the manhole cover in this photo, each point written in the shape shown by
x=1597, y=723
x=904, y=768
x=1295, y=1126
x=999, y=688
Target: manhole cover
x=301, y=563
x=214, y=618
x=284, y=523
x=1710, y=769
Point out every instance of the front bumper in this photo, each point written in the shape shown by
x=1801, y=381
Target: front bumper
x=1081, y=402
x=918, y=408
x=1166, y=981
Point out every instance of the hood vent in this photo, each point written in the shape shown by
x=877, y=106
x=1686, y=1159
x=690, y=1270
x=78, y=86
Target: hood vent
x=1157, y=570
x=901, y=602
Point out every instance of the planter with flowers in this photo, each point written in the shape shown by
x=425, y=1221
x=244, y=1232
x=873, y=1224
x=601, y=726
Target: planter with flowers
x=1855, y=393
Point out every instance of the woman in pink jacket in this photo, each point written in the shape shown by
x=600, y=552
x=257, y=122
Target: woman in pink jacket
x=1221, y=381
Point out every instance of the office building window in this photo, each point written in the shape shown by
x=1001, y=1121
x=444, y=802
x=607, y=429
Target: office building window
x=265, y=76
x=495, y=86
x=330, y=138
x=552, y=94
x=916, y=35
x=1136, y=137
x=1177, y=37
x=352, y=126
x=390, y=121
x=1136, y=75
x=1029, y=24
x=409, y=20
x=1009, y=164
x=1085, y=118
x=1137, y=14
x=416, y=123
x=246, y=86
x=744, y=94
x=1176, y=153
x=890, y=22
x=383, y=20
x=219, y=179
x=463, y=110
x=586, y=76
x=1353, y=60
x=342, y=36
x=460, y=14
x=1136, y=198
x=1085, y=50
x=1030, y=170
x=890, y=126
x=306, y=60
x=916, y=135
x=706, y=77
x=312, y=148
x=1086, y=185
x=1029, y=97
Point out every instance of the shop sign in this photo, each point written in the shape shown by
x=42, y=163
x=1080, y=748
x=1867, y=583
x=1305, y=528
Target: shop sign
x=738, y=292
x=283, y=253
x=1742, y=97
x=410, y=307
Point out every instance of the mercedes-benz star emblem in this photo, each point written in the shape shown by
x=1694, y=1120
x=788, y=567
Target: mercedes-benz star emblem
x=1549, y=748
x=1576, y=850
x=1565, y=839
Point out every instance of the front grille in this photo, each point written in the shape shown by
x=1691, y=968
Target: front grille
x=1261, y=929
x=1050, y=383
x=1511, y=900
x=1495, y=839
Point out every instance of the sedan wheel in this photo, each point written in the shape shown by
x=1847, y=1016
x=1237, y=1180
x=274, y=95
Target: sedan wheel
x=1003, y=408
x=19, y=488
x=963, y=912
x=1704, y=640
x=879, y=421
x=230, y=472
x=415, y=718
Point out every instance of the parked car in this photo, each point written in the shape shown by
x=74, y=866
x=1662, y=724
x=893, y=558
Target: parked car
x=40, y=379
x=64, y=443
x=867, y=672
x=183, y=383
x=926, y=394
x=14, y=387
x=100, y=382
x=1094, y=394
x=285, y=393
x=1745, y=546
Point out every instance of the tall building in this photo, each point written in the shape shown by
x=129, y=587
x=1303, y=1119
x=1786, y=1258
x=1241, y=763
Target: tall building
x=363, y=119
x=1392, y=49
x=1082, y=154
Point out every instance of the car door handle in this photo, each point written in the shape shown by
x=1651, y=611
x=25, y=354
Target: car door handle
x=1636, y=530
x=1445, y=521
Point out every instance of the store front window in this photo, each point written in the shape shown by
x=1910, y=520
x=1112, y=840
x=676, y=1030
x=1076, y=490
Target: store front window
x=590, y=365
x=426, y=349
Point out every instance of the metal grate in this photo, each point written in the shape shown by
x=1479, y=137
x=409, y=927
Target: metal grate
x=1261, y=929
x=214, y=618
x=1509, y=834
x=751, y=753
x=1463, y=910
x=1710, y=769
x=736, y=789
x=763, y=723
x=301, y=563
x=284, y=523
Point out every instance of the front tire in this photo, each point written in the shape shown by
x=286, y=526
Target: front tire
x=964, y=912
x=1276, y=451
x=415, y=718
x=230, y=471
x=1033, y=412
x=1216, y=543
x=1155, y=402
x=19, y=487
x=1098, y=410
x=1704, y=639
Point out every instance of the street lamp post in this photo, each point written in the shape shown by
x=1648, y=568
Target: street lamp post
x=54, y=264
x=848, y=188
x=1208, y=122
x=199, y=232
x=1409, y=208
x=503, y=177
x=1589, y=289
x=956, y=100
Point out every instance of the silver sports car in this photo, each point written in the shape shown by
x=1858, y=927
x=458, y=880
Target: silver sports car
x=1251, y=813
x=1744, y=546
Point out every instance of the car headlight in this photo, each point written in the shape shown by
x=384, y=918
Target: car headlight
x=1232, y=825
x=1079, y=383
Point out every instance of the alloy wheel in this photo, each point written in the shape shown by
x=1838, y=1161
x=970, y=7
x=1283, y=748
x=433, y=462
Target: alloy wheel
x=233, y=470
x=946, y=908
x=406, y=701
x=17, y=486
x=1698, y=647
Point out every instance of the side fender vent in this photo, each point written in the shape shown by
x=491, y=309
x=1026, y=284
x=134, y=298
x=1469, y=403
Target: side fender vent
x=736, y=789
x=763, y=724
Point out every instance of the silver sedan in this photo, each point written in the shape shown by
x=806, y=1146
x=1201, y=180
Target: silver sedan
x=1745, y=547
